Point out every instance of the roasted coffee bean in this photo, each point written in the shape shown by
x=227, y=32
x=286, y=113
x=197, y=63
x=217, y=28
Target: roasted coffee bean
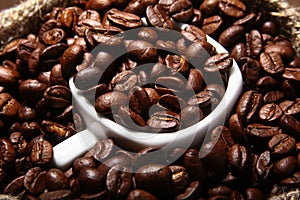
x=194, y=34
x=72, y=57
x=177, y=63
x=172, y=103
x=288, y=87
x=147, y=34
x=35, y=180
x=181, y=10
x=32, y=90
x=85, y=24
x=248, y=22
x=203, y=99
x=191, y=192
x=273, y=97
x=254, y=43
x=197, y=18
x=107, y=102
x=271, y=63
x=270, y=113
x=41, y=152
x=158, y=17
x=142, y=52
x=281, y=144
x=212, y=25
x=220, y=190
x=198, y=52
x=262, y=133
x=68, y=18
x=262, y=167
x=91, y=180
x=165, y=46
x=231, y=36
x=127, y=117
x=56, y=195
x=284, y=167
x=254, y=193
x=195, y=80
x=118, y=181
x=285, y=52
x=122, y=19
x=154, y=178
x=90, y=14
x=100, y=195
x=30, y=130
x=164, y=121
x=87, y=78
x=9, y=76
x=8, y=153
x=171, y=82
x=100, y=6
x=237, y=129
x=239, y=159
x=58, y=96
x=219, y=63
x=19, y=143
x=26, y=113
x=190, y=115
x=209, y=7
x=81, y=163
x=55, y=132
x=15, y=187
x=269, y=27
x=194, y=166
x=140, y=194
x=291, y=74
x=56, y=76
x=56, y=180
x=232, y=8
x=139, y=7
x=294, y=180
x=54, y=36
x=180, y=178
x=266, y=84
x=238, y=52
x=248, y=106
x=102, y=149
x=292, y=109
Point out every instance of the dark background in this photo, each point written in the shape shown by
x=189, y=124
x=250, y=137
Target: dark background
x=9, y=3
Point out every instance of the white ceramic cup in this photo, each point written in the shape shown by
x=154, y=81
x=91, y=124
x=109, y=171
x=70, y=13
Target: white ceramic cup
x=99, y=127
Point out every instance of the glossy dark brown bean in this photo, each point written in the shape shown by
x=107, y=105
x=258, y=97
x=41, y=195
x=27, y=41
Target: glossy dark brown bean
x=281, y=144
x=238, y=158
x=129, y=118
x=158, y=17
x=41, y=152
x=219, y=63
x=248, y=106
x=140, y=194
x=238, y=52
x=124, y=81
x=139, y=7
x=291, y=74
x=284, y=167
x=266, y=84
x=56, y=180
x=177, y=63
x=81, y=163
x=231, y=36
x=56, y=195
x=285, y=52
x=35, y=180
x=254, y=193
x=254, y=43
x=232, y=8
x=262, y=133
x=32, y=90
x=8, y=76
x=118, y=181
x=190, y=115
x=164, y=121
x=58, y=96
x=270, y=113
x=194, y=166
x=90, y=14
x=212, y=25
x=274, y=97
x=102, y=150
x=72, y=57
x=142, y=52
x=154, y=178
x=139, y=101
x=271, y=63
x=123, y=19
x=195, y=80
x=54, y=36
x=191, y=192
x=248, y=22
x=262, y=166
x=15, y=187
x=54, y=131
x=8, y=154
x=181, y=10
x=107, y=102
x=91, y=180
x=237, y=129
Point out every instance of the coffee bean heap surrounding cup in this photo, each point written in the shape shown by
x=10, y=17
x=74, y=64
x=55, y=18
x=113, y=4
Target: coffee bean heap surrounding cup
x=256, y=154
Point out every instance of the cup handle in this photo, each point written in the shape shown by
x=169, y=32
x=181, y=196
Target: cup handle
x=67, y=151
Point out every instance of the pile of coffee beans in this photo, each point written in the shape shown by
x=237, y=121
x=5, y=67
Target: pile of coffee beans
x=255, y=155
x=151, y=87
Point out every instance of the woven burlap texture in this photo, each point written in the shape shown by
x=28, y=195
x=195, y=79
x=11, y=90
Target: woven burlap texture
x=26, y=17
